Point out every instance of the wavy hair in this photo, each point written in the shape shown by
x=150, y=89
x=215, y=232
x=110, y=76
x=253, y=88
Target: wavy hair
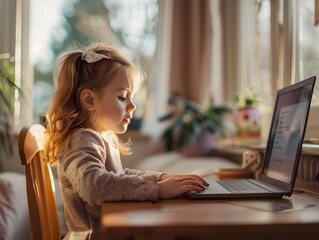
x=66, y=114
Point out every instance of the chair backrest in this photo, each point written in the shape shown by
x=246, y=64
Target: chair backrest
x=40, y=186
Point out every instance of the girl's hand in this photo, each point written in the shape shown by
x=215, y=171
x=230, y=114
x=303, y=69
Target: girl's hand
x=173, y=187
x=167, y=176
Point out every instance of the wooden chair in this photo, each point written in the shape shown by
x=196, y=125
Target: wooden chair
x=40, y=186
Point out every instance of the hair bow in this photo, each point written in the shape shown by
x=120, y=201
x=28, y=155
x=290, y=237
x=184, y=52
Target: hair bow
x=91, y=57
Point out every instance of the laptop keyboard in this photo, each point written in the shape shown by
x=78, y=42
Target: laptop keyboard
x=241, y=186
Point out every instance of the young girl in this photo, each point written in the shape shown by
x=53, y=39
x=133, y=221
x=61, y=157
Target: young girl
x=93, y=102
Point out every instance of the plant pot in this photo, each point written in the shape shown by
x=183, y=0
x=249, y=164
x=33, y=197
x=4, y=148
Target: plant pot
x=247, y=121
x=202, y=147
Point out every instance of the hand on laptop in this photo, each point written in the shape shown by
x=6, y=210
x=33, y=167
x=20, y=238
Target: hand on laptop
x=171, y=186
x=166, y=176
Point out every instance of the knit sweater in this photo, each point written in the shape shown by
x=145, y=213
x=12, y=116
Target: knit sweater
x=90, y=173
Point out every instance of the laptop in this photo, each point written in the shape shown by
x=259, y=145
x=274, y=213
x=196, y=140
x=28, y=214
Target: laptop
x=282, y=154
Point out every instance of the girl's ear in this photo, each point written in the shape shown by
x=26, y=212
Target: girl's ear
x=87, y=98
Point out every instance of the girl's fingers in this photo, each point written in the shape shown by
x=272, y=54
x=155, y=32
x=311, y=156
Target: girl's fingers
x=188, y=178
x=201, y=180
x=188, y=188
x=192, y=182
x=194, y=179
x=205, y=183
x=198, y=178
x=187, y=184
x=173, y=187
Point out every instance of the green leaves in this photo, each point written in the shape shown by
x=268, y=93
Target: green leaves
x=7, y=97
x=189, y=120
x=246, y=99
x=7, y=88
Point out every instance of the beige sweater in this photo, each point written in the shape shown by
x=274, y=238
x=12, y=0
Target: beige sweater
x=90, y=173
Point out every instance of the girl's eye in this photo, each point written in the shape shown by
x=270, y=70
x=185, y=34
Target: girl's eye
x=122, y=99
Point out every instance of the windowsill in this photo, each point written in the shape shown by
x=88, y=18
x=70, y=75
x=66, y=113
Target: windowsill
x=312, y=149
x=307, y=148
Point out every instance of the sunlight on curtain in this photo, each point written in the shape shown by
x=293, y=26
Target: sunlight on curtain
x=255, y=49
x=158, y=83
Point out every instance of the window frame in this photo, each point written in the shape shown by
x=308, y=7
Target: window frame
x=291, y=56
x=15, y=29
x=284, y=54
x=23, y=69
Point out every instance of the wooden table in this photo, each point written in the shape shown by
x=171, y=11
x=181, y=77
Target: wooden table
x=215, y=219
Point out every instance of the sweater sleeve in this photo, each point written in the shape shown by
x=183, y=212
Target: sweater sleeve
x=143, y=173
x=84, y=167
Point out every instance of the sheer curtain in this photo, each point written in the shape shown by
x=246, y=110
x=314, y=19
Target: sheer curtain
x=158, y=77
x=182, y=62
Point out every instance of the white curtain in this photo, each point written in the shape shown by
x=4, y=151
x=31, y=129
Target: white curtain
x=158, y=77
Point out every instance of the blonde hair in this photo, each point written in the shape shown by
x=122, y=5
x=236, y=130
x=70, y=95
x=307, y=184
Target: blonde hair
x=66, y=114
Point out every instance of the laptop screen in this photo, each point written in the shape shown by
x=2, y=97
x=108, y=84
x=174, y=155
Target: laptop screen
x=287, y=131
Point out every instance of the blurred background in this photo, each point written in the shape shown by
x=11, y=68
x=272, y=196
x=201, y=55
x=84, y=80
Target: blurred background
x=210, y=53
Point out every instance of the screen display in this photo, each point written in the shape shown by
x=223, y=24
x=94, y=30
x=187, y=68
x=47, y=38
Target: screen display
x=287, y=133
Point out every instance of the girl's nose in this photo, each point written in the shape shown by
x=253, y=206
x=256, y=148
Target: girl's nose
x=131, y=106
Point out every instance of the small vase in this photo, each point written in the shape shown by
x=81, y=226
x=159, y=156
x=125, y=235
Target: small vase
x=247, y=121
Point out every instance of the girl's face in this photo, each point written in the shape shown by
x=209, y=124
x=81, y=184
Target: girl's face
x=116, y=105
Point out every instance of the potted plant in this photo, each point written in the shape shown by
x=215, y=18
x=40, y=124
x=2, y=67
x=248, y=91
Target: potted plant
x=191, y=124
x=7, y=96
x=244, y=100
x=247, y=117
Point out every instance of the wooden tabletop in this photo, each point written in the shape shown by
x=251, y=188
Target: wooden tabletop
x=288, y=218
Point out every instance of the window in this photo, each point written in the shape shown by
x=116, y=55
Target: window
x=262, y=56
x=254, y=59
x=278, y=46
x=308, y=59
x=308, y=44
x=67, y=21
x=60, y=25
